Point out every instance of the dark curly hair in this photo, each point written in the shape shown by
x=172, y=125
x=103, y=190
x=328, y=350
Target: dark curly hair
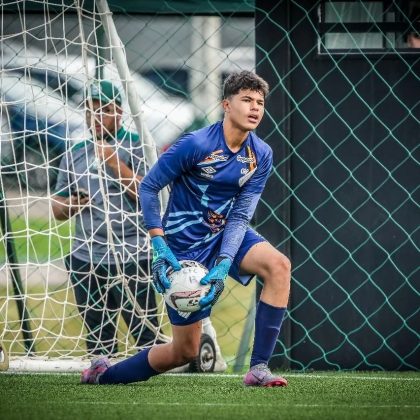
x=244, y=80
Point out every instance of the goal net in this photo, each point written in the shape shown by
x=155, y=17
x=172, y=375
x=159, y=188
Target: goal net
x=61, y=302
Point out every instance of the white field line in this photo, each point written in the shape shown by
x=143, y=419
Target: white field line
x=203, y=404
x=236, y=376
x=300, y=375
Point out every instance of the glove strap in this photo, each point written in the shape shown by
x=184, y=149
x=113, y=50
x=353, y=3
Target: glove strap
x=220, y=258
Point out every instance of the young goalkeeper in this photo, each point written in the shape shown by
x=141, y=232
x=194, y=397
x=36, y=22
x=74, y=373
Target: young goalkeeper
x=217, y=175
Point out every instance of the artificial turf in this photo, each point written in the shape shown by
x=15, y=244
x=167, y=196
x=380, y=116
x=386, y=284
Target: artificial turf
x=373, y=395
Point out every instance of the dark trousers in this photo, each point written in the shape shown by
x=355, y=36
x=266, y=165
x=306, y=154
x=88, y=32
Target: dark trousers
x=101, y=298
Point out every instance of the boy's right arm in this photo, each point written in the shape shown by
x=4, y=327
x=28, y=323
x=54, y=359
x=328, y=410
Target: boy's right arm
x=178, y=159
x=163, y=257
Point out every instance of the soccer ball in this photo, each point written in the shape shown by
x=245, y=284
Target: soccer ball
x=186, y=290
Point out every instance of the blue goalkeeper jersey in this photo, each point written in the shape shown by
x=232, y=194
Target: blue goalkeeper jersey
x=212, y=188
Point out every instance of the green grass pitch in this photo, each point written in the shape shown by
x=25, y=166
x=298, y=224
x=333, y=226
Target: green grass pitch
x=318, y=396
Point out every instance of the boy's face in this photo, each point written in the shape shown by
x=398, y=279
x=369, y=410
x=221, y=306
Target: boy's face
x=245, y=109
x=103, y=119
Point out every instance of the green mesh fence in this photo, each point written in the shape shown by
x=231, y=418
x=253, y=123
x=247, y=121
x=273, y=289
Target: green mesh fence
x=342, y=201
x=343, y=198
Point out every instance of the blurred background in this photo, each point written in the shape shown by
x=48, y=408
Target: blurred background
x=342, y=200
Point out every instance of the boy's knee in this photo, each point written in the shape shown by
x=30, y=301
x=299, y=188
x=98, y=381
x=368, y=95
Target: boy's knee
x=279, y=270
x=280, y=266
x=284, y=265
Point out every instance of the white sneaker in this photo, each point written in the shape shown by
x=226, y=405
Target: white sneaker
x=220, y=365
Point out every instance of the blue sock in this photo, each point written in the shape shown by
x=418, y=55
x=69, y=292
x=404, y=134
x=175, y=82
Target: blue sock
x=267, y=327
x=134, y=369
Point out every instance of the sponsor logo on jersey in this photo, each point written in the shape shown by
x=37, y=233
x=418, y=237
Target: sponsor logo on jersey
x=209, y=176
x=244, y=159
x=244, y=171
x=209, y=170
x=216, y=156
x=249, y=158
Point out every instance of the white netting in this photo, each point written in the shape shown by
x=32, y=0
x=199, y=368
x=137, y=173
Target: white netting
x=51, y=53
x=48, y=61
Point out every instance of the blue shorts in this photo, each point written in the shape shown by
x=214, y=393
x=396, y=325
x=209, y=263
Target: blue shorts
x=207, y=256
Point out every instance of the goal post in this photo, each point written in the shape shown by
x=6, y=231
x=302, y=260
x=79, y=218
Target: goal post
x=51, y=52
x=39, y=85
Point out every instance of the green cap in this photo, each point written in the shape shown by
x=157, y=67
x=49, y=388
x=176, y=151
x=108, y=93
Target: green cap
x=105, y=91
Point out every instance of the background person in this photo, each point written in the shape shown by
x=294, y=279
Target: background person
x=108, y=241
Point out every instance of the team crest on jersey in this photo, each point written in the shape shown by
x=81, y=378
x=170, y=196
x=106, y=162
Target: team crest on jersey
x=245, y=178
x=216, y=221
x=216, y=156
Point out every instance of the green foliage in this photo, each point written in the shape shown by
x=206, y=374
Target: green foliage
x=321, y=396
x=38, y=240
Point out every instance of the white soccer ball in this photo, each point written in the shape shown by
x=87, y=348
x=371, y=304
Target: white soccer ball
x=186, y=290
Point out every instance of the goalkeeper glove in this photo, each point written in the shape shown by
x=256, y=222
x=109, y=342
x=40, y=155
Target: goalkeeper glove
x=216, y=277
x=163, y=258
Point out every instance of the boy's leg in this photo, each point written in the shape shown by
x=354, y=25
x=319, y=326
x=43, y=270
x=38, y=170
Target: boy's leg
x=184, y=347
x=207, y=256
x=149, y=362
x=274, y=269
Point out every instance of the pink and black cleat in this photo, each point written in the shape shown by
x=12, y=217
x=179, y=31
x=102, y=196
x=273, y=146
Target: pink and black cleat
x=260, y=375
x=97, y=368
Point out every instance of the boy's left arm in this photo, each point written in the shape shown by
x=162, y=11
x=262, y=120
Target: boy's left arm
x=236, y=226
